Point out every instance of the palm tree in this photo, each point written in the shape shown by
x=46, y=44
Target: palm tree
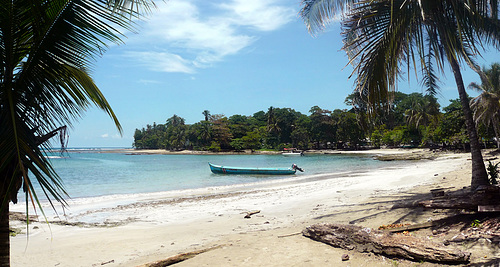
x=423, y=110
x=175, y=121
x=381, y=35
x=205, y=133
x=206, y=114
x=46, y=50
x=272, y=127
x=272, y=122
x=486, y=106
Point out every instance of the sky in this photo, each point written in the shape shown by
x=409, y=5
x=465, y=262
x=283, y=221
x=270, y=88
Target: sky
x=229, y=57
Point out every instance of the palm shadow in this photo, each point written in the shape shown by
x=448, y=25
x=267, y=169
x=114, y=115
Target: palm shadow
x=458, y=227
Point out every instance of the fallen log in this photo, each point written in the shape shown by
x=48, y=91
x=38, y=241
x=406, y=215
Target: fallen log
x=353, y=237
x=488, y=208
x=483, y=196
x=450, y=203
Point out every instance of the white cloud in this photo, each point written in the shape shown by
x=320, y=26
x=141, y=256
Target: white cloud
x=161, y=61
x=115, y=136
x=263, y=15
x=146, y=82
x=181, y=26
x=181, y=36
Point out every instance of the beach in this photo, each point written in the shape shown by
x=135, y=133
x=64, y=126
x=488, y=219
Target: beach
x=142, y=228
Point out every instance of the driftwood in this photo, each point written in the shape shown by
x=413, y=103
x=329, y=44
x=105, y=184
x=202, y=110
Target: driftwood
x=488, y=208
x=450, y=203
x=178, y=258
x=409, y=227
x=281, y=236
x=250, y=213
x=483, y=196
x=107, y=262
x=353, y=237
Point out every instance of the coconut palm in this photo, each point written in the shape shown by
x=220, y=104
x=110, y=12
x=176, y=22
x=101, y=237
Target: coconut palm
x=423, y=110
x=272, y=122
x=382, y=35
x=46, y=51
x=206, y=114
x=273, y=128
x=175, y=121
x=486, y=106
x=205, y=132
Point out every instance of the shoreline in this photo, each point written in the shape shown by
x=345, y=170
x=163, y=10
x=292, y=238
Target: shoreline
x=158, y=226
x=133, y=151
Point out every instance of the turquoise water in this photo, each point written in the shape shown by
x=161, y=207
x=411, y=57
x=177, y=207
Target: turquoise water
x=90, y=174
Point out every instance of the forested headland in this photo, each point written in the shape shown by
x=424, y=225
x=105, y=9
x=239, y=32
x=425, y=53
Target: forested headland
x=410, y=120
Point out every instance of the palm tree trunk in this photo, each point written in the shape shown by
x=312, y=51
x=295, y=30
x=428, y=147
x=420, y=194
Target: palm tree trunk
x=479, y=175
x=4, y=234
x=8, y=193
x=495, y=129
x=4, y=218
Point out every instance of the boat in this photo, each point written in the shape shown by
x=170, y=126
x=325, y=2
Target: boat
x=292, y=152
x=247, y=170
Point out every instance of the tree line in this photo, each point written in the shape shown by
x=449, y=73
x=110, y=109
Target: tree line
x=412, y=120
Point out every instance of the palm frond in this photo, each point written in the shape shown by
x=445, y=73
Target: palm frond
x=318, y=14
x=377, y=46
x=475, y=86
x=430, y=79
x=47, y=49
x=486, y=105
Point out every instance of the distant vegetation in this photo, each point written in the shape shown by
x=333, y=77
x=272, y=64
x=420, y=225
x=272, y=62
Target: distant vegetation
x=412, y=120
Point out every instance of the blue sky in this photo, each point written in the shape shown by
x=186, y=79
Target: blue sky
x=229, y=57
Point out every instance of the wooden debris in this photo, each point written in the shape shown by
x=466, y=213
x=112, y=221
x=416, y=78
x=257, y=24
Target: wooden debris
x=107, y=262
x=392, y=226
x=353, y=237
x=407, y=227
x=406, y=204
x=439, y=192
x=250, y=213
x=483, y=196
x=488, y=208
x=451, y=203
x=100, y=264
x=281, y=236
x=486, y=227
x=178, y=258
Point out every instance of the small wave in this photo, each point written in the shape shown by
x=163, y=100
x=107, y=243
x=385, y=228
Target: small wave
x=54, y=157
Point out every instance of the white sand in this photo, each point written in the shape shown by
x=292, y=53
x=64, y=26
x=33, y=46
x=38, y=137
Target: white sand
x=164, y=224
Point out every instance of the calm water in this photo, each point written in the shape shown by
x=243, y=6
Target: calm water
x=89, y=174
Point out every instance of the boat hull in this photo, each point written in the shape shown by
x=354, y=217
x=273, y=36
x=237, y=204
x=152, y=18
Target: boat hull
x=242, y=170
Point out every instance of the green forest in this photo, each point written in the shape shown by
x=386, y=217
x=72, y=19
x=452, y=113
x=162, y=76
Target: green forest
x=410, y=120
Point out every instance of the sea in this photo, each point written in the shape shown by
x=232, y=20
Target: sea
x=95, y=172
